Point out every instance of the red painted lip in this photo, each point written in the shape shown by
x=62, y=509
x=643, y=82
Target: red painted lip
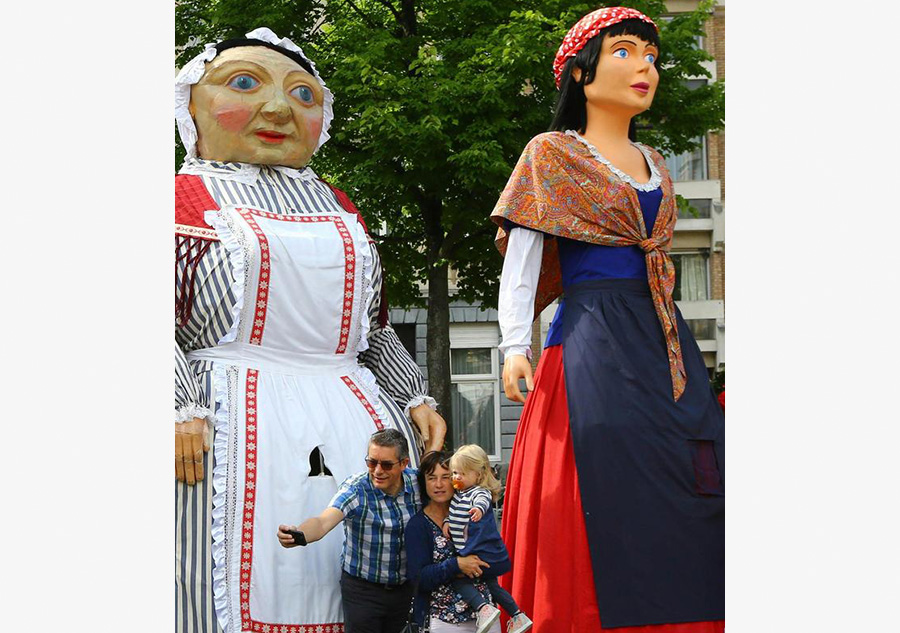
x=271, y=137
x=642, y=87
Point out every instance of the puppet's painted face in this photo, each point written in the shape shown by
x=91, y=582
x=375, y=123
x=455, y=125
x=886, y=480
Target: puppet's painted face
x=625, y=79
x=254, y=105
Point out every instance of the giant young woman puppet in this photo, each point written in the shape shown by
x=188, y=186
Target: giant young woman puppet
x=282, y=342
x=614, y=511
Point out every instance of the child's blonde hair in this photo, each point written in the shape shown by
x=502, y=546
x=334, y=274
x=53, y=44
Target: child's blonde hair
x=472, y=458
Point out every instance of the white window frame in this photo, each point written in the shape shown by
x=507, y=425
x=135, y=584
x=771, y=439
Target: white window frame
x=481, y=336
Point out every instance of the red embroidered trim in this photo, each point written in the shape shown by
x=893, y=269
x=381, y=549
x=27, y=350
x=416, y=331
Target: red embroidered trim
x=247, y=622
x=265, y=263
x=262, y=292
x=249, y=498
x=196, y=231
x=349, y=207
x=365, y=402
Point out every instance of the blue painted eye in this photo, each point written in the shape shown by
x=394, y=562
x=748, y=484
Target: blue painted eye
x=304, y=95
x=621, y=53
x=243, y=83
x=650, y=57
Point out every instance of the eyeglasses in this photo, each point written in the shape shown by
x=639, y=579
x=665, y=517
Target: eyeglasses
x=385, y=465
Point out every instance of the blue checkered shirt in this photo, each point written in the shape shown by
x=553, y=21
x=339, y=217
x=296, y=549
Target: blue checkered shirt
x=373, y=527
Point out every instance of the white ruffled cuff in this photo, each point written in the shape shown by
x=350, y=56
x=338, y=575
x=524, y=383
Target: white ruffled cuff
x=431, y=402
x=188, y=412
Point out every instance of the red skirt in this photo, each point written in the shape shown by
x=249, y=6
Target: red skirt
x=552, y=579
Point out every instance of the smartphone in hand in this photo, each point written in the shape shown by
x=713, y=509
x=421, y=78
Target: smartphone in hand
x=299, y=537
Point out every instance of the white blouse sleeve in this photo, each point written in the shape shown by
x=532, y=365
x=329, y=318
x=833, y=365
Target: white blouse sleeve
x=518, y=286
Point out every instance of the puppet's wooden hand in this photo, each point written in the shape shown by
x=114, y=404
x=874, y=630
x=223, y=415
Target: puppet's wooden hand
x=191, y=441
x=431, y=426
x=515, y=368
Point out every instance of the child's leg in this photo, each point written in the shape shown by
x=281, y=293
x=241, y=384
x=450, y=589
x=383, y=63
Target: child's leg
x=465, y=588
x=501, y=596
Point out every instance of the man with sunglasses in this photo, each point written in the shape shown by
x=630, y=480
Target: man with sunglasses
x=375, y=507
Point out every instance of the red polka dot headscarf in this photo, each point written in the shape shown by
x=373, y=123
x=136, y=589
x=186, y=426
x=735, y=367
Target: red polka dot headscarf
x=587, y=27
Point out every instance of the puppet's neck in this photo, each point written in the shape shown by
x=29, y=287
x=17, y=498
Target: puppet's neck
x=608, y=129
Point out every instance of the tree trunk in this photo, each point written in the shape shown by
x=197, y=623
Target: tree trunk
x=438, y=341
x=437, y=358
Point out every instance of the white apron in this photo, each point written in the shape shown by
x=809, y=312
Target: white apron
x=287, y=381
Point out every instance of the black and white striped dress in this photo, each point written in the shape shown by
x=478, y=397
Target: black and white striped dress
x=280, y=191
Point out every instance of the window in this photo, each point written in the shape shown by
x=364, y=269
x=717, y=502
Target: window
x=691, y=276
x=702, y=209
x=702, y=328
x=693, y=84
x=690, y=165
x=475, y=387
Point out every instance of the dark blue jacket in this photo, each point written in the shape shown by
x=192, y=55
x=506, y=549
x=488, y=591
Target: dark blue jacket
x=421, y=570
x=426, y=575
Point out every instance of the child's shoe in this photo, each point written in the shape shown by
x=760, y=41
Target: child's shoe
x=485, y=618
x=519, y=623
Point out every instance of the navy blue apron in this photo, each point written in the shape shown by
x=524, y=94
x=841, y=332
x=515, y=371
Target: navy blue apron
x=650, y=470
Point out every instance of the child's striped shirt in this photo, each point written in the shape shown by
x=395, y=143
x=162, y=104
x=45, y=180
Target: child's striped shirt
x=462, y=502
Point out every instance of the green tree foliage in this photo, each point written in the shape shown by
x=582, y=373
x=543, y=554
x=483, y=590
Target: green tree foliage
x=435, y=100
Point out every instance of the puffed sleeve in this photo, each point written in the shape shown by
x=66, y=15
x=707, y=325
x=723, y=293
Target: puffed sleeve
x=394, y=369
x=190, y=398
x=518, y=285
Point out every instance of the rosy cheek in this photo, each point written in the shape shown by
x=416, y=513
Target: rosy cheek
x=233, y=118
x=314, y=128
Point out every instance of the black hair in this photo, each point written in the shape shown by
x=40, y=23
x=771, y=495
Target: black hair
x=570, y=112
x=243, y=41
x=391, y=438
x=431, y=461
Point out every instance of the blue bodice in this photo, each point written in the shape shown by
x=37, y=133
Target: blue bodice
x=582, y=261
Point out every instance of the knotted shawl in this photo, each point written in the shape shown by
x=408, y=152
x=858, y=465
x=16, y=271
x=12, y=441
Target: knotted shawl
x=559, y=188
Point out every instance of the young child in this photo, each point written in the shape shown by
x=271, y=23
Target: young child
x=473, y=530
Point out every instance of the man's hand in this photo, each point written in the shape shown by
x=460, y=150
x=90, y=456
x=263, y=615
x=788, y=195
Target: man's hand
x=191, y=441
x=471, y=565
x=314, y=528
x=475, y=514
x=431, y=426
x=514, y=368
x=286, y=539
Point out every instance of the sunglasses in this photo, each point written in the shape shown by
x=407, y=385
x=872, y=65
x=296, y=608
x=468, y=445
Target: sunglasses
x=385, y=465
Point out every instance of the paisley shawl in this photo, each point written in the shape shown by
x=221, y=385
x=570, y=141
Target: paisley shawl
x=559, y=188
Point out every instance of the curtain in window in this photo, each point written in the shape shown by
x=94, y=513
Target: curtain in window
x=471, y=361
x=473, y=414
x=691, y=277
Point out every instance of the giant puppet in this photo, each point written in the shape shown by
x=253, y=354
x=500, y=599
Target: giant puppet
x=285, y=362
x=615, y=506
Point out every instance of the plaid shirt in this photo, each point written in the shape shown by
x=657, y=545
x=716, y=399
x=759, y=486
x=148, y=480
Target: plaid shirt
x=373, y=527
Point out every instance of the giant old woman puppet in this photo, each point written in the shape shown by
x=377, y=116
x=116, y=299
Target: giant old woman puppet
x=285, y=362
x=614, y=512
